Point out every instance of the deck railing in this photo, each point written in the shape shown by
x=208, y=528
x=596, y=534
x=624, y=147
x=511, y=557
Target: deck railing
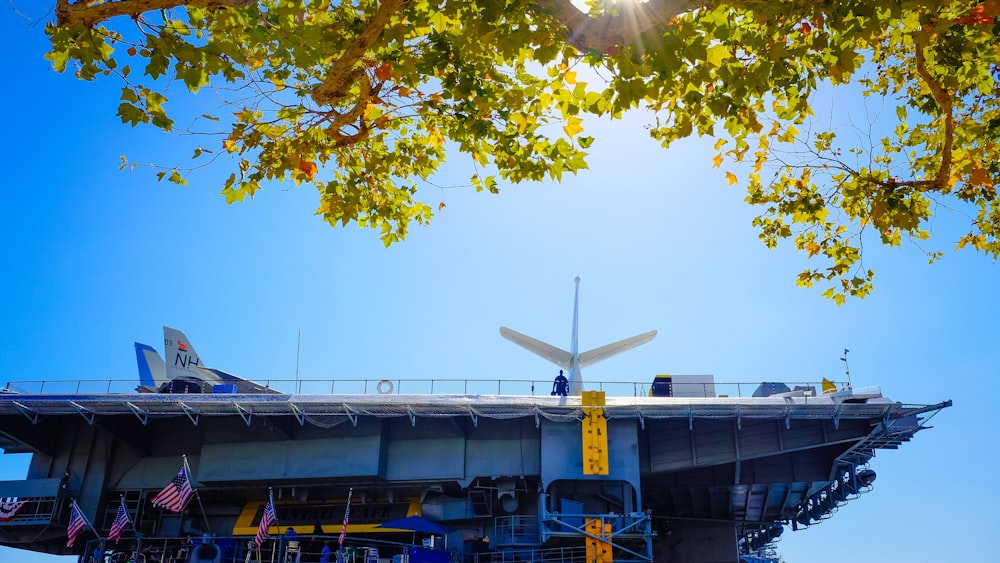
x=400, y=386
x=229, y=549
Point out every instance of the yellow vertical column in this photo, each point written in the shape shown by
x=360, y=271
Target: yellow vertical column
x=598, y=550
x=595, y=434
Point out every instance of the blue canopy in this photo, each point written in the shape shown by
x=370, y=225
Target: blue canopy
x=417, y=524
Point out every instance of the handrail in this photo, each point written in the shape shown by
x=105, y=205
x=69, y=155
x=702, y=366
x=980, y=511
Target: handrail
x=403, y=386
x=234, y=549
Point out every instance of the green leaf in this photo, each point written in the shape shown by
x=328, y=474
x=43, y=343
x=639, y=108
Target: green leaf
x=131, y=115
x=717, y=54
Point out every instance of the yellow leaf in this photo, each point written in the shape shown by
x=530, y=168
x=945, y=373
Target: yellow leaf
x=572, y=126
x=326, y=207
x=789, y=135
x=570, y=77
x=731, y=178
x=719, y=143
x=717, y=161
x=441, y=206
x=716, y=54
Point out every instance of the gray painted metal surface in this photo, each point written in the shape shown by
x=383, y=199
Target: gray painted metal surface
x=504, y=466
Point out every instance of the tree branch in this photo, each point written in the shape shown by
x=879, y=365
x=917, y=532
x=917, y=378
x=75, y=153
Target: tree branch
x=87, y=13
x=943, y=99
x=343, y=72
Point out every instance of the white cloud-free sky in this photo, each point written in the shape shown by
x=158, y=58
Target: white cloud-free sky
x=95, y=258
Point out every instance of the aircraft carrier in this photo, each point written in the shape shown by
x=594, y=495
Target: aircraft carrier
x=698, y=472
x=677, y=469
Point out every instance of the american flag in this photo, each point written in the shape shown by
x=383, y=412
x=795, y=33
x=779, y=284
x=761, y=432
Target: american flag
x=120, y=523
x=266, y=521
x=176, y=494
x=76, y=523
x=347, y=513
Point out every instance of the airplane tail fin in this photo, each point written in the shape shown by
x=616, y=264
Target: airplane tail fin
x=573, y=361
x=183, y=362
x=557, y=356
x=604, y=352
x=181, y=358
x=152, y=369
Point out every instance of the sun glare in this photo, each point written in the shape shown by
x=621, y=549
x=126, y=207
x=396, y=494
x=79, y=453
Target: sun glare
x=584, y=5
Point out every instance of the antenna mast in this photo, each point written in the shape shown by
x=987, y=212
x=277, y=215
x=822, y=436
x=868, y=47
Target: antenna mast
x=847, y=368
x=298, y=350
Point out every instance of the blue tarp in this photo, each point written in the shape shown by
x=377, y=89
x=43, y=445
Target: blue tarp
x=426, y=555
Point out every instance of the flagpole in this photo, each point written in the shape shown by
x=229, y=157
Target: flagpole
x=197, y=495
x=274, y=547
x=85, y=521
x=263, y=522
x=83, y=516
x=121, y=521
x=341, y=554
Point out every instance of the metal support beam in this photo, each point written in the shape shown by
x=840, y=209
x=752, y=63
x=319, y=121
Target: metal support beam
x=353, y=416
x=245, y=414
x=736, y=443
x=87, y=415
x=192, y=414
x=299, y=416
x=34, y=417
x=142, y=415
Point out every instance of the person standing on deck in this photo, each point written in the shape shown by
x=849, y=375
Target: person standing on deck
x=561, y=385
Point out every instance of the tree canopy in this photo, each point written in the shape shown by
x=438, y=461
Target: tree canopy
x=364, y=100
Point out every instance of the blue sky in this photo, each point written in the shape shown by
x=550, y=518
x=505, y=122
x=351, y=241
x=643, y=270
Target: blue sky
x=95, y=258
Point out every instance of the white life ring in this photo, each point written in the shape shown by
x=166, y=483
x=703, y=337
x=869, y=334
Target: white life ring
x=385, y=387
